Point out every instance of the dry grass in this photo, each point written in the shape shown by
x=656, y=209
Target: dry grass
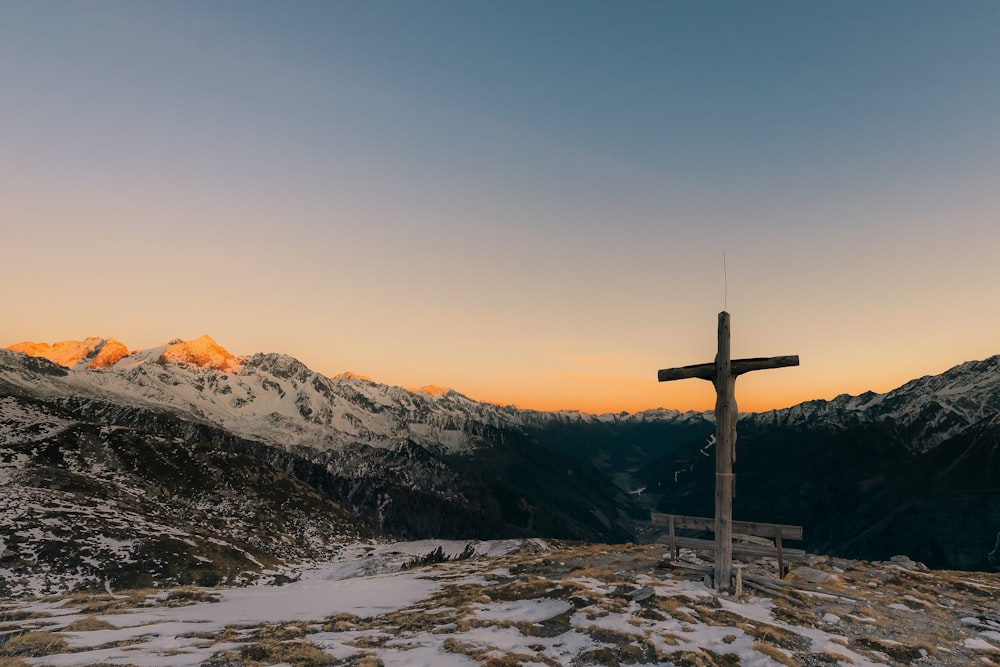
x=902, y=653
x=672, y=606
x=795, y=615
x=87, y=624
x=776, y=636
x=437, y=614
x=775, y=653
x=703, y=658
x=599, y=656
x=34, y=645
x=490, y=656
x=341, y=623
x=607, y=635
x=12, y=662
x=709, y=614
x=9, y=615
x=925, y=645
x=598, y=573
x=223, y=659
x=296, y=653
x=831, y=657
x=181, y=597
x=371, y=641
x=926, y=598
x=454, y=595
x=101, y=603
x=229, y=634
x=626, y=647
x=527, y=588
x=277, y=632
x=652, y=615
x=364, y=660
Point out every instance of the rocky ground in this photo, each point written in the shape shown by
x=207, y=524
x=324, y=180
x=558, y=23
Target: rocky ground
x=522, y=603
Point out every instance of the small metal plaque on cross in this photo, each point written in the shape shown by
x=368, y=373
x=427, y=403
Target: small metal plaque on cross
x=722, y=373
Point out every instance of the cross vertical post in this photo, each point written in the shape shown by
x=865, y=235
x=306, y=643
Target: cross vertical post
x=725, y=454
x=722, y=373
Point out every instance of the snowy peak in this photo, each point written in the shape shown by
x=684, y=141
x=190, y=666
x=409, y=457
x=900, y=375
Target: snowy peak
x=91, y=353
x=277, y=398
x=431, y=390
x=350, y=375
x=923, y=412
x=201, y=352
x=270, y=397
x=109, y=354
x=99, y=353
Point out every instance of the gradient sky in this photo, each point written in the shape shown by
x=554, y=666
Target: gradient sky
x=526, y=201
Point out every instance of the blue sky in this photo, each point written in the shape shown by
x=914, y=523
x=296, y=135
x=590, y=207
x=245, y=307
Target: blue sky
x=527, y=201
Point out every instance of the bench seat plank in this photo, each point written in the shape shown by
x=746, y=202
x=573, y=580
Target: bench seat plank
x=744, y=548
x=749, y=527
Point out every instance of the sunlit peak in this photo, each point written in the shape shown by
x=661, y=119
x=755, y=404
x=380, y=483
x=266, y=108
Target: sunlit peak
x=203, y=352
x=348, y=375
x=91, y=353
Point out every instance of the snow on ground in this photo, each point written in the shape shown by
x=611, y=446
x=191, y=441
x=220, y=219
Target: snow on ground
x=23, y=422
x=300, y=601
x=529, y=603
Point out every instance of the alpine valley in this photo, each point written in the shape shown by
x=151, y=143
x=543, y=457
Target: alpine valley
x=184, y=463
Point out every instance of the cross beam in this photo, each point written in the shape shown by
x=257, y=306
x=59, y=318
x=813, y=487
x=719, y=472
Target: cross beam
x=722, y=373
x=739, y=367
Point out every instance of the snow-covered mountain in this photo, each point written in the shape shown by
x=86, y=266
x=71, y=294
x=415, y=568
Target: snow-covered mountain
x=184, y=455
x=87, y=504
x=90, y=353
x=269, y=397
x=915, y=470
x=923, y=413
x=276, y=398
x=432, y=462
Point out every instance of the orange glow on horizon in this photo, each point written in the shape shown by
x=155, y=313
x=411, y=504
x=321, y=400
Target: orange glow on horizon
x=612, y=405
x=550, y=390
x=687, y=395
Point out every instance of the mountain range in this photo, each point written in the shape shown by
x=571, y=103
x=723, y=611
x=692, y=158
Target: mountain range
x=187, y=463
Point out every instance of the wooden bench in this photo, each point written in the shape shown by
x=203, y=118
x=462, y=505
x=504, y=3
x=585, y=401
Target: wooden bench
x=746, y=537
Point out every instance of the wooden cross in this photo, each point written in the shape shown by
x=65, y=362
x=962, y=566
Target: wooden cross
x=723, y=374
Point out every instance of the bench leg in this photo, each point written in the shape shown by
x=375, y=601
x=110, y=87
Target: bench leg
x=781, y=560
x=674, y=551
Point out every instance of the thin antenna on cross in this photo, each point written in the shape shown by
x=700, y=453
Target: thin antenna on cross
x=725, y=283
